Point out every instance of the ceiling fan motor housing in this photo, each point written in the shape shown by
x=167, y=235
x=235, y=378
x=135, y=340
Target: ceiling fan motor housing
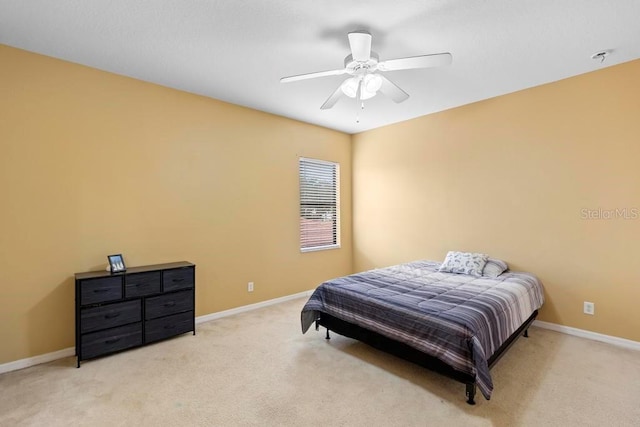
x=354, y=67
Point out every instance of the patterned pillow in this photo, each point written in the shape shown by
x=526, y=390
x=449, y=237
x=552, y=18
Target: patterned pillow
x=494, y=267
x=464, y=263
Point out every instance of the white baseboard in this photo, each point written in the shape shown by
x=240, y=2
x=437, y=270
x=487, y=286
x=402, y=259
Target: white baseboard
x=620, y=342
x=245, y=308
x=36, y=360
x=71, y=351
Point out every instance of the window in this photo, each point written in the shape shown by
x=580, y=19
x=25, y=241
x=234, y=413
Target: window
x=319, y=205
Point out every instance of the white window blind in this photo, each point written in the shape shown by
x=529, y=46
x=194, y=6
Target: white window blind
x=319, y=205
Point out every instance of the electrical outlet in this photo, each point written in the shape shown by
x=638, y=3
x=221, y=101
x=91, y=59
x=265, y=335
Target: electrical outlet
x=250, y=287
x=589, y=308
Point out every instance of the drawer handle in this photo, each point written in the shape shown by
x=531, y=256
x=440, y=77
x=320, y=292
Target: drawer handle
x=170, y=304
x=100, y=291
x=169, y=326
x=178, y=280
x=112, y=341
x=111, y=315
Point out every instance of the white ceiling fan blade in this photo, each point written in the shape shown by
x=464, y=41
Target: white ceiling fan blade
x=312, y=75
x=331, y=101
x=360, y=43
x=392, y=91
x=422, y=61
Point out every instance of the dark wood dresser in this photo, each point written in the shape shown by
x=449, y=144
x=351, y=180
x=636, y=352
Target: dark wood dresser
x=118, y=311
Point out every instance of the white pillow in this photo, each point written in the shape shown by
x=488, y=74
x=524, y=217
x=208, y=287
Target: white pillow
x=464, y=263
x=494, y=267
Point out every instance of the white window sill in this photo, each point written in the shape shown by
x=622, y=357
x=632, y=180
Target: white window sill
x=319, y=248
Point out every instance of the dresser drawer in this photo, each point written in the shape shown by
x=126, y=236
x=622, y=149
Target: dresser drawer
x=169, y=326
x=165, y=305
x=93, y=291
x=141, y=284
x=111, y=315
x=103, y=342
x=180, y=278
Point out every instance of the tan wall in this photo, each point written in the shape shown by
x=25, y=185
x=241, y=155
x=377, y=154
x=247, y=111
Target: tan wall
x=509, y=177
x=93, y=163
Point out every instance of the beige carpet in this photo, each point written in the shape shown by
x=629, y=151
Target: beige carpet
x=258, y=369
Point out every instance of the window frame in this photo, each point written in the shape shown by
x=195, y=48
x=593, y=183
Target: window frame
x=336, y=220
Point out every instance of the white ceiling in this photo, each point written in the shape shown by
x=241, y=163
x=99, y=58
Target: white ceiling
x=236, y=50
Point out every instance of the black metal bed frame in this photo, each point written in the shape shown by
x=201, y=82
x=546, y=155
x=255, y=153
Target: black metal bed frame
x=410, y=354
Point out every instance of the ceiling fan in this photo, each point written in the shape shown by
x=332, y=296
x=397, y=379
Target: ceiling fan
x=363, y=66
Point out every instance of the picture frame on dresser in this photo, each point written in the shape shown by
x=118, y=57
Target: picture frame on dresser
x=140, y=306
x=116, y=263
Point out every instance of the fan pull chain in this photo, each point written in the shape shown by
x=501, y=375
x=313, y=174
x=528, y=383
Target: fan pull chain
x=358, y=113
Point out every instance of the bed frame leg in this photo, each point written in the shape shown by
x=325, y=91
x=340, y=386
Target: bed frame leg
x=327, y=337
x=471, y=393
x=317, y=325
x=526, y=333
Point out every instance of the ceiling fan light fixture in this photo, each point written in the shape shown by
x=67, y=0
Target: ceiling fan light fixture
x=350, y=87
x=365, y=94
x=372, y=82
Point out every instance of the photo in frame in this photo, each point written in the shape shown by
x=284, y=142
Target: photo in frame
x=116, y=263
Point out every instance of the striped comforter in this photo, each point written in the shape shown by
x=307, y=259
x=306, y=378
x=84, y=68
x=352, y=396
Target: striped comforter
x=460, y=319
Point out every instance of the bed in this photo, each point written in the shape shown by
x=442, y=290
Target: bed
x=456, y=324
